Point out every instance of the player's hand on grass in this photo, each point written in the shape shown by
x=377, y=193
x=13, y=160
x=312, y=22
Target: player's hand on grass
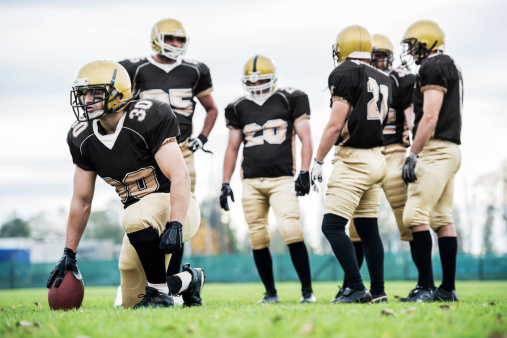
x=172, y=238
x=66, y=263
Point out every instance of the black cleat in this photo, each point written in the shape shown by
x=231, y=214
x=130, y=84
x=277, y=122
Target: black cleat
x=441, y=295
x=269, y=297
x=354, y=296
x=419, y=294
x=192, y=295
x=339, y=295
x=380, y=298
x=307, y=296
x=154, y=299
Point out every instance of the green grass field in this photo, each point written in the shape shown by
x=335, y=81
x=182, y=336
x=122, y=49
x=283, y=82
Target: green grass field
x=231, y=311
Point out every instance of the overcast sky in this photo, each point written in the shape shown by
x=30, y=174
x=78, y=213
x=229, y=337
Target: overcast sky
x=43, y=45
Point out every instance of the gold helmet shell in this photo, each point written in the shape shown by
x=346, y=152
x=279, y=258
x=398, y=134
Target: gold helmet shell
x=424, y=37
x=259, y=68
x=382, y=44
x=352, y=42
x=170, y=27
x=107, y=76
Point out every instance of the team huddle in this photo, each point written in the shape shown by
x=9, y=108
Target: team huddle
x=134, y=129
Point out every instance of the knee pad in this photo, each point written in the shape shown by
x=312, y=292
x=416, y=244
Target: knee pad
x=332, y=223
x=260, y=238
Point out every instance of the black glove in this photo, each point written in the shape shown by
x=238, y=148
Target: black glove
x=172, y=238
x=197, y=143
x=226, y=192
x=408, y=171
x=303, y=183
x=66, y=263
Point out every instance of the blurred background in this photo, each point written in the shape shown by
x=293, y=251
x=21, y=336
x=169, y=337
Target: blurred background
x=43, y=45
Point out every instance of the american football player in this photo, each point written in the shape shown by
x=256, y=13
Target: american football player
x=168, y=77
x=360, y=100
x=132, y=146
x=266, y=121
x=434, y=159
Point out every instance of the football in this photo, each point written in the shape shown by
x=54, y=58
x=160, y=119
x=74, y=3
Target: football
x=69, y=295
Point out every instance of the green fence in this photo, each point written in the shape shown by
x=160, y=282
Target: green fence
x=241, y=268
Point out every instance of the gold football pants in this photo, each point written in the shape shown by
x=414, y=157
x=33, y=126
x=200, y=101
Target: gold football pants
x=188, y=155
x=394, y=188
x=153, y=210
x=430, y=198
x=354, y=186
x=279, y=193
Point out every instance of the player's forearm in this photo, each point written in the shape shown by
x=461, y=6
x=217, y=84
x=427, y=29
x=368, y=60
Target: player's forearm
x=229, y=164
x=76, y=223
x=209, y=121
x=306, y=153
x=180, y=197
x=409, y=117
x=425, y=130
x=329, y=137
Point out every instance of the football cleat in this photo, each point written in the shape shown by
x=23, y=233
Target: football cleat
x=380, y=298
x=339, y=295
x=154, y=299
x=354, y=296
x=419, y=294
x=441, y=295
x=192, y=295
x=269, y=297
x=178, y=300
x=308, y=297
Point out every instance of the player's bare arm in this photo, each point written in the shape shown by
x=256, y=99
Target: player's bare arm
x=304, y=133
x=231, y=154
x=339, y=113
x=80, y=206
x=211, y=113
x=432, y=103
x=171, y=162
x=409, y=117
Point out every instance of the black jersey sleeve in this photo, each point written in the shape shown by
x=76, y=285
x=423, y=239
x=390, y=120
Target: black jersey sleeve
x=162, y=125
x=434, y=75
x=77, y=157
x=341, y=84
x=231, y=118
x=299, y=104
x=205, y=82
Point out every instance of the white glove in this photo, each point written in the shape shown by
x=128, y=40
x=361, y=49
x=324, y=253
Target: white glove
x=316, y=174
x=197, y=143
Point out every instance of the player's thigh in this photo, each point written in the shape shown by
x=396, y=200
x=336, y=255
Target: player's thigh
x=442, y=213
x=154, y=210
x=285, y=204
x=255, y=209
x=393, y=185
x=369, y=203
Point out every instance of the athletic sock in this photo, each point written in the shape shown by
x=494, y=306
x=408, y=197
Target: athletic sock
x=162, y=287
x=175, y=262
x=414, y=258
x=448, y=248
x=264, y=265
x=367, y=229
x=358, y=248
x=422, y=247
x=299, y=256
x=333, y=227
x=179, y=283
x=145, y=242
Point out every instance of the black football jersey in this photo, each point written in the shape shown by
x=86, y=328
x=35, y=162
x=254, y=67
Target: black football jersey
x=268, y=131
x=441, y=73
x=176, y=84
x=126, y=159
x=368, y=92
x=396, y=128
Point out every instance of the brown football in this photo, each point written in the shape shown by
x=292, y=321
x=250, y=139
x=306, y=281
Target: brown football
x=69, y=295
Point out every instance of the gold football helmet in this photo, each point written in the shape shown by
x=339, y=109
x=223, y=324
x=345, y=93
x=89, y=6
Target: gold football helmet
x=352, y=42
x=107, y=76
x=422, y=38
x=383, y=44
x=259, y=76
x=169, y=27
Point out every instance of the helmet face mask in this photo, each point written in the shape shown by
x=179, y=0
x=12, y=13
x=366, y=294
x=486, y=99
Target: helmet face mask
x=109, y=97
x=382, y=52
x=169, y=28
x=259, y=77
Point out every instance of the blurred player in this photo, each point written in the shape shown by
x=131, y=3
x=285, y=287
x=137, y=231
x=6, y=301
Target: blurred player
x=434, y=159
x=132, y=146
x=360, y=100
x=266, y=121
